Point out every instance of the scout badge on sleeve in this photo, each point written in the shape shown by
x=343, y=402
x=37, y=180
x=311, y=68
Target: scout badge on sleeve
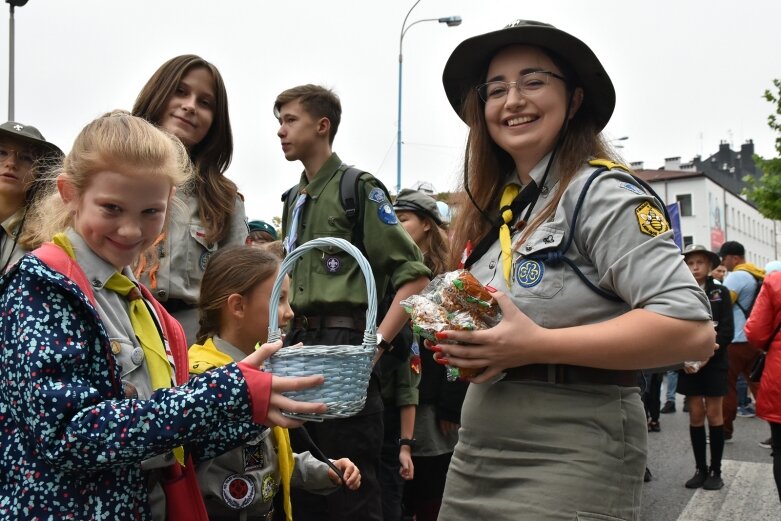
x=651, y=220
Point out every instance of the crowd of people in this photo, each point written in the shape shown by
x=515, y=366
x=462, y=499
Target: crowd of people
x=135, y=245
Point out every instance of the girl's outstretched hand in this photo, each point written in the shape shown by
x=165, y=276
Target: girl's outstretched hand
x=280, y=384
x=508, y=344
x=352, y=476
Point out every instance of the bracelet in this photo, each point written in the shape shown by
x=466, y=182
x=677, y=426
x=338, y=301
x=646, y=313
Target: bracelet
x=410, y=442
x=385, y=346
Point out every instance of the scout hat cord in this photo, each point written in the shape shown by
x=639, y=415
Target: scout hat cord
x=527, y=196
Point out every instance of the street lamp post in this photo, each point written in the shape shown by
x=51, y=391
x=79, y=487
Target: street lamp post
x=450, y=21
x=12, y=3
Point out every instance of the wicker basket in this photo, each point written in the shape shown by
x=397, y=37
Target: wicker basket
x=346, y=368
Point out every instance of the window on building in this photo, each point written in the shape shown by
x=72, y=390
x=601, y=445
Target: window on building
x=687, y=240
x=685, y=202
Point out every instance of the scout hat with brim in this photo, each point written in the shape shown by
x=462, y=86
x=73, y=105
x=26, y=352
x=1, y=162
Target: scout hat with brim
x=469, y=61
x=262, y=226
x=30, y=135
x=715, y=260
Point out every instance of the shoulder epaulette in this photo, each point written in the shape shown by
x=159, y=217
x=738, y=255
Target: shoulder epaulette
x=609, y=165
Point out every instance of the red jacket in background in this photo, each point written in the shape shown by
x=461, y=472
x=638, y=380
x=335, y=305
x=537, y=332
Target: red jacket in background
x=765, y=317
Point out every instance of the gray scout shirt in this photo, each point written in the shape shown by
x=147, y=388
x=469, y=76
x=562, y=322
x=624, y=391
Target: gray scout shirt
x=245, y=480
x=10, y=252
x=621, y=243
x=184, y=254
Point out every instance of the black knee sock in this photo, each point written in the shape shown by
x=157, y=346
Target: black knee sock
x=716, y=447
x=697, y=435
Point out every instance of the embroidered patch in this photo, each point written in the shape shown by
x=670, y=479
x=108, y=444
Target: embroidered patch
x=254, y=456
x=414, y=359
x=332, y=264
x=377, y=195
x=268, y=488
x=238, y=491
x=651, y=220
x=632, y=188
x=386, y=214
x=715, y=296
x=529, y=272
x=204, y=260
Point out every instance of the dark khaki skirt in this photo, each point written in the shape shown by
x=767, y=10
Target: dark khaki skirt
x=544, y=452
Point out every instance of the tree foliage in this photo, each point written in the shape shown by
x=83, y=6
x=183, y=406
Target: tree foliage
x=765, y=192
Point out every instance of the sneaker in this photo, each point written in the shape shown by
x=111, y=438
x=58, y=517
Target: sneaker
x=653, y=426
x=648, y=476
x=746, y=412
x=669, y=406
x=727, y=438
x=713, y=481
x=686, y=406
x=766, y=444
x=698, y=479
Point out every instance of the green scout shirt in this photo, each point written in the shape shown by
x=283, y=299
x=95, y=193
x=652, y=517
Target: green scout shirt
x=329, y=278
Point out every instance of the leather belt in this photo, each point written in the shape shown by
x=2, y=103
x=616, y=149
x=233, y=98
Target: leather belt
x=572, y=375
x=309, y=322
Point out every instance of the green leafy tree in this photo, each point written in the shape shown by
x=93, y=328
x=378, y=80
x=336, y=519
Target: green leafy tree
x=765, y=192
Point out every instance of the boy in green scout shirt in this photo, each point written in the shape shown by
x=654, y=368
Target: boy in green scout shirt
x=328, y=294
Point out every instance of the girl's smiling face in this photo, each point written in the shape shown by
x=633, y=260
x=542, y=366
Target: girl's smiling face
x=120, y=212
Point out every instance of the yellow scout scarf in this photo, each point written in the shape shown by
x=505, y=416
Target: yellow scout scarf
x=207, y=356
x=509, y=194
x=144, y=327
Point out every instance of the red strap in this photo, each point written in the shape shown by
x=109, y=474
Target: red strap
x=56, y=258
x=173, y=331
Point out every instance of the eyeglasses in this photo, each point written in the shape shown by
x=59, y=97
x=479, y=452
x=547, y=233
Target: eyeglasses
x=529, y=84
x=23, y=157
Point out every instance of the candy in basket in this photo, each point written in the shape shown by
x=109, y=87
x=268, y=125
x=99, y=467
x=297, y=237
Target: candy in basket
x=346, y=369
x=453, y=300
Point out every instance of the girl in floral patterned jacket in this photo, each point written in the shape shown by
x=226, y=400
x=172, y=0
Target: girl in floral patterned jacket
x=92, y=419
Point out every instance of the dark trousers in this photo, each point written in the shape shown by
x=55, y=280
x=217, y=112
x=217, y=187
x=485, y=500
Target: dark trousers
x=358, y=438
x=741, y=357
x=390, y=479
x=775, y=444
x=423, y=495
x=651, y=395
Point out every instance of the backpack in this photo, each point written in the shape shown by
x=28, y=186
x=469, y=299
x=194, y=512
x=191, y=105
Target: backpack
x=348, y=194
x=747, y=311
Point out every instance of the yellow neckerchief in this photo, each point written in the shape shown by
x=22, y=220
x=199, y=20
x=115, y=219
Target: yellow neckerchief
x=206, y=356
x=756, y=272
x=144, y=327
x=509, y=194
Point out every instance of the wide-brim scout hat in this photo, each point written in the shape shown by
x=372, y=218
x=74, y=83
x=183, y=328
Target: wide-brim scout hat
x=414, y=201
x=30, y=135
x=467, y=64
x=715, y=260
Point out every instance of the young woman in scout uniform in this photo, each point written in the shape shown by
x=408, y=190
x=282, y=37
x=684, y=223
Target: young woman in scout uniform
x=704, y=385
x=439, y=409
x=92, y=421
x=586, y=300
x=186, y=96
x=23, y=153
x=233, y=306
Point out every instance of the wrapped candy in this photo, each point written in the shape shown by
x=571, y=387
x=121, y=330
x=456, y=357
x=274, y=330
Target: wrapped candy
x=452, y=301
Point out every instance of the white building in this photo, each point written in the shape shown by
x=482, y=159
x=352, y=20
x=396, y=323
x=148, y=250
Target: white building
x=711, y=207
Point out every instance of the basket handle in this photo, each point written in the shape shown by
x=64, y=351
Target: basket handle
x=370, y=334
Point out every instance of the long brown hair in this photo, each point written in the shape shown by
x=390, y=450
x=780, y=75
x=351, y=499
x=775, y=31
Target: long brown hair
x=235, y=269
x=486, y=167
x=216, y=193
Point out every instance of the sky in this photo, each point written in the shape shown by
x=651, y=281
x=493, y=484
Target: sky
x=688, y=74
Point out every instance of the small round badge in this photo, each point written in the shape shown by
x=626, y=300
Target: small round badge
x=333, y=264
x=238, y=491
x=137, y=356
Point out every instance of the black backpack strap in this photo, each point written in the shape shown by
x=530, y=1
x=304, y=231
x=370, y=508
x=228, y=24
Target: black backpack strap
x=288, y=199
x=348, y=193
x=557, y=255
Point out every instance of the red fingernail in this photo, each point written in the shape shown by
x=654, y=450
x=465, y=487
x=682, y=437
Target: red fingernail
x=436, y=348
x=441, y=360
x=441, y=335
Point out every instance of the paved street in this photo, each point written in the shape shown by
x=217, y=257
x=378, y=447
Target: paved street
x=749, y=493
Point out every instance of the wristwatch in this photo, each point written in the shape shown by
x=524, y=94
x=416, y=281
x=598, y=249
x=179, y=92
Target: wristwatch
x=383, y=344
x=408, y=441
